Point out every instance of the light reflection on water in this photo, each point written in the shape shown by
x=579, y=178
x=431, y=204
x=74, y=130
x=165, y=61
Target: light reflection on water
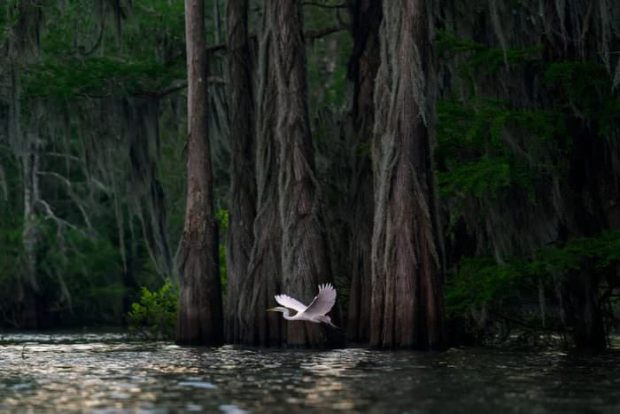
x=101, y=373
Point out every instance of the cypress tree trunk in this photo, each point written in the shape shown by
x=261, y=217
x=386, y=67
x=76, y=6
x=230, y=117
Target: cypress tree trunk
x=28, y=287
x=580, y=290
x=200, y=306
x=583, y=39
x=582, y=309
x=362, y=72
x=305, y=259
x=263, y=281
x=242, y=203
x=23, y=46
x=406, y=309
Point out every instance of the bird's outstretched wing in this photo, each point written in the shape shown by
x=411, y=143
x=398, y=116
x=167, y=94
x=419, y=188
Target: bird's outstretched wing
x=323, y=302
x=289, y=302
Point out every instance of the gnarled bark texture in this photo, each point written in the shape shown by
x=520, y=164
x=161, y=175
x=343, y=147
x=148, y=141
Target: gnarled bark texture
x=23, y=45
x=200, y=306
x=242, y=204
x=305, y=259
x=264, y=275
x=406, y=309
x=363, y=68
x=28, y=286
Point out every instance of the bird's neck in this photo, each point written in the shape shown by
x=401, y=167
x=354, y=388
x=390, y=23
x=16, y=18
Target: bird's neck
x=287, y=315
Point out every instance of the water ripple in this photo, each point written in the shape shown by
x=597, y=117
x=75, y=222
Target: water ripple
x=102, y=373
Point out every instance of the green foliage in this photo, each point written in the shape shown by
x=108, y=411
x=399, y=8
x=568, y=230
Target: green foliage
x=584, y=88
x=81, y=273
x=84, y=56
x=480, y=178
x=579, y=87
x=85, y=274
x=478, y=282
x=154, y=315
x=99, y=77
x=492, y=151
x=327, y=60
x=7, y=19
x=478, y=125
x=74, y=28
x=485, y=147
x=481, y=59
x=601, y=251
x=482, y=281
x=222, y=218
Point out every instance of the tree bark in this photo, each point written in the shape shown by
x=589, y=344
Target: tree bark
x=406, y=300
x=363, y=68
x=200, y=306
x=582, y=309
x=264, y=274
x=23, y=46
x=305, y=259
x=28, y=286
x=242, y=205
x=588, y=170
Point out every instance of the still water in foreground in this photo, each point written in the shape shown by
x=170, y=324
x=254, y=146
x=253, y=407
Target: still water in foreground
x=104, y=373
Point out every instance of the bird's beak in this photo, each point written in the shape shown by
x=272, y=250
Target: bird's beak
x=271, y=310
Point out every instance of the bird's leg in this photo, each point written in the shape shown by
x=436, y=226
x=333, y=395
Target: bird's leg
x=327, y=320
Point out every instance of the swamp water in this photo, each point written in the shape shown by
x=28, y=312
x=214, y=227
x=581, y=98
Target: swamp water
x=103, y=373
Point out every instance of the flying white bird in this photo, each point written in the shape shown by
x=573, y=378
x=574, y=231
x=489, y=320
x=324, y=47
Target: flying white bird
x=315, y=312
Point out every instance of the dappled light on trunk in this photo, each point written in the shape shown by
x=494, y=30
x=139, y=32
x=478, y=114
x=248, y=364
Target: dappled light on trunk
x=200, y=304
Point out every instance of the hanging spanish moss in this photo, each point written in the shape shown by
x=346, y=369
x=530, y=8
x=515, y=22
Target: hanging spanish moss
x=530, y=84
x=115, y=156
x=397, y=149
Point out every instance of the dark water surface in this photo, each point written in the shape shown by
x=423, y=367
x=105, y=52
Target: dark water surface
x=102, y=373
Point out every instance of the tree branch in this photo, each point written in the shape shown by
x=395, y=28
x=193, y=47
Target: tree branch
x=319, y=33
x=49, y=214
x=71, y=194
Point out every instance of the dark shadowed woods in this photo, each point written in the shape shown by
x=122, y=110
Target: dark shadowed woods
x=450, y=166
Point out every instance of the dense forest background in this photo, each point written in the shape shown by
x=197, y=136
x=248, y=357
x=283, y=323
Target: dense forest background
x=518, y=101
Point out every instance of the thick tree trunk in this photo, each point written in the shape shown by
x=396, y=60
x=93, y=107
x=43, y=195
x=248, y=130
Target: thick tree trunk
x=305, y=259
x=406, y=309
x=580, y=290
x=264, y=274
x=28, y=285
x=200, y=306
x=582, y=310
x=242, y=205
x=23, y=44
x=588, y=170
x=362, y=72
